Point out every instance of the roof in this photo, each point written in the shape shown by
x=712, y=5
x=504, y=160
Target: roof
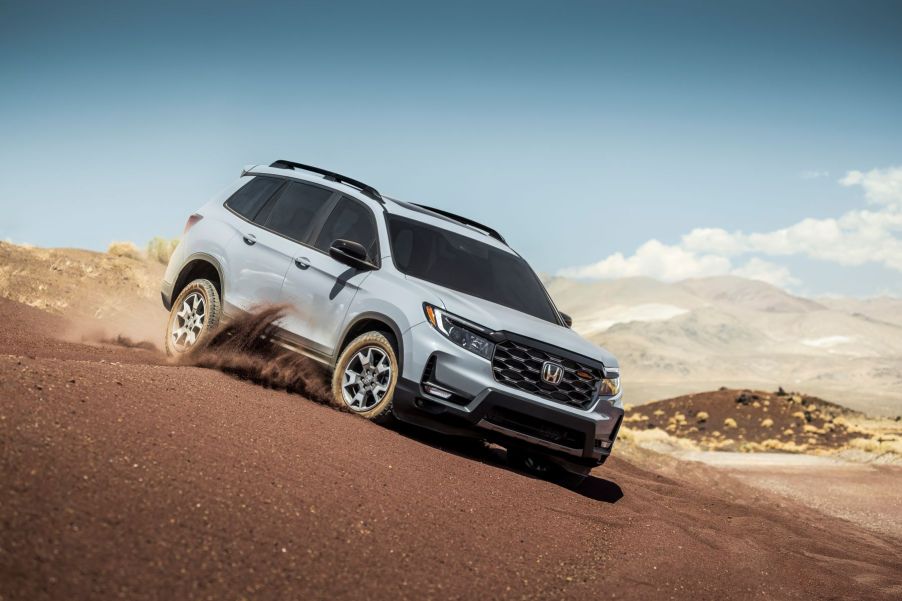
x=434, y=216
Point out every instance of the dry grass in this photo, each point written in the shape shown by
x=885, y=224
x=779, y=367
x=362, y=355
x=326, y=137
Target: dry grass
x=160, y=249
x=772, y=444
x=124, y=249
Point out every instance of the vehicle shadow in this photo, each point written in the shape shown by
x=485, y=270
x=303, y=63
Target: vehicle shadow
x=593, y=487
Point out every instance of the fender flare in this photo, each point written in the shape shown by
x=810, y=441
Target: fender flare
x=197, y=256
x=372, y=316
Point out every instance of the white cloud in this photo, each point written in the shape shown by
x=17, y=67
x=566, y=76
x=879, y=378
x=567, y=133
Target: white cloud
x=854, y=238
x=881, y=186
x=814, y=174
x=654, y=259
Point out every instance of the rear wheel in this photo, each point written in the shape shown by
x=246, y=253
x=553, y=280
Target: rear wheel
x=365, y=377
x=194, y=314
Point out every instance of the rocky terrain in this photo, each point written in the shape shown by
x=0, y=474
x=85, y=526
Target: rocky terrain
x=746, y=420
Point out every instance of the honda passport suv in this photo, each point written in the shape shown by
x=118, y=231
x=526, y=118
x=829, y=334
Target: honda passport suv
x=420, y=314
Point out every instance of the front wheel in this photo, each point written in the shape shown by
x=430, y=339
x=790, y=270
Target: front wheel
x=365, y=377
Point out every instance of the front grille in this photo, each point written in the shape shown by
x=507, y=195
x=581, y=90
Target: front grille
x=520, y=366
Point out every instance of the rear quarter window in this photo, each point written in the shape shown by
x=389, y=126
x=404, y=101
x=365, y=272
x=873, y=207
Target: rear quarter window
x=251, y=197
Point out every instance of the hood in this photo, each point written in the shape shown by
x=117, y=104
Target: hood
x=499, y=317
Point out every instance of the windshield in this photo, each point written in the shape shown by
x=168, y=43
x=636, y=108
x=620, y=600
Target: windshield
x=469, y=266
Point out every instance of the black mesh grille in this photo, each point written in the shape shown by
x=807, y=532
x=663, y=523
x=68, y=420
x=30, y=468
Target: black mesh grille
x=520, y=366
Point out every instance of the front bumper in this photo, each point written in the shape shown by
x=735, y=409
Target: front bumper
x=484, y=407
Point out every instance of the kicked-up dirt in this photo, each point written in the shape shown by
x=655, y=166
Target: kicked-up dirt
x=125, y=476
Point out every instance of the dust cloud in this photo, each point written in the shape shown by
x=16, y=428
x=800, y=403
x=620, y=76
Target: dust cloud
x=243, y=348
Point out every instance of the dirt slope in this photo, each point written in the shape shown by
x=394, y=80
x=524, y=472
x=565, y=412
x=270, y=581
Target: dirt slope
x=126, y=477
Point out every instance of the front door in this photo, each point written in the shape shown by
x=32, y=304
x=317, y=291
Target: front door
x=322, y=288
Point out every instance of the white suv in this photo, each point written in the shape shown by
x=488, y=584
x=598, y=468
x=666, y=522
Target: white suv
x=421, y=315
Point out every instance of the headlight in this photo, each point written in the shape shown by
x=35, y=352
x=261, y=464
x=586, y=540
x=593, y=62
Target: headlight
x=610, y=386
x=455, y=329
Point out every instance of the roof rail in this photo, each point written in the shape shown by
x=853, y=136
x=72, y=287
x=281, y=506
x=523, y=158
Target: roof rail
x=332, y=176
x=491, y=232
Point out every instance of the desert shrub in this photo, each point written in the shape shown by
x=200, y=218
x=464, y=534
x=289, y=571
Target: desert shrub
x=729, y=423
x=767, y=423
x=727, y=444
x=875, y=445
x=772, y=444
x=788, y=432
x=160, y=249
x=124, y=249
x=809, y=429
x=702, y=416
x=799, y=415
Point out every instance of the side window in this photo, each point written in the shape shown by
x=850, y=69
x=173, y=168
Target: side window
x=251, y=197
x=293, y=212
x=350, y=220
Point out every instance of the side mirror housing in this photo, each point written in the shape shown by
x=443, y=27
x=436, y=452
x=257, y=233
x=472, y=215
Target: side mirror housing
x=350, y=253
x=568, y=321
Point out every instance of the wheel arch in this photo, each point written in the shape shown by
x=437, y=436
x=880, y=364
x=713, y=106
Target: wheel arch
x=196, y=266
x=368, y=322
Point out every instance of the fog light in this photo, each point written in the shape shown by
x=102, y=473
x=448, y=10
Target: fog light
x=436, y=391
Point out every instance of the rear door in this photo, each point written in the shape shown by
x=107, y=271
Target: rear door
x=323, y=288
x=270, y=239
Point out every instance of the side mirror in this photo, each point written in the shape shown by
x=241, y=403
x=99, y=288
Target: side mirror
x=350, y=253
x=568, y=321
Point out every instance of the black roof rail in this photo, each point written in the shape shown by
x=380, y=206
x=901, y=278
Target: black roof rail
x=491, y=232
x=332, y=176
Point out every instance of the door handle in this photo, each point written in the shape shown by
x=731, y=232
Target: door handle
x=250, y=239
x=302, y=262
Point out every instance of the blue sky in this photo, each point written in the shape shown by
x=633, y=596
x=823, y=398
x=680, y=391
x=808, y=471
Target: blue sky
x=582, y=131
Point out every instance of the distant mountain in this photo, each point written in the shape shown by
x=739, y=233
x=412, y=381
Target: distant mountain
x=883, y=308
x=727, y=331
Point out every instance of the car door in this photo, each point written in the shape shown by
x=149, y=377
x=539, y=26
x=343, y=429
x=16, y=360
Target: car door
x=322, y=287
x=268, y=244
x=250, y=276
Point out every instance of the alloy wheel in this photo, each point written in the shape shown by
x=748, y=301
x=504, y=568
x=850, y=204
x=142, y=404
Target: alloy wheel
x=366, y=379
x=189, y=321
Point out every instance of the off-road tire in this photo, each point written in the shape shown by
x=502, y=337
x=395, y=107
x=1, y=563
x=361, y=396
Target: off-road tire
x=212, y=314
x=380, y=413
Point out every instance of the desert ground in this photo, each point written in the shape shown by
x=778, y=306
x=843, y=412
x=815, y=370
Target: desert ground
x=129, y=476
